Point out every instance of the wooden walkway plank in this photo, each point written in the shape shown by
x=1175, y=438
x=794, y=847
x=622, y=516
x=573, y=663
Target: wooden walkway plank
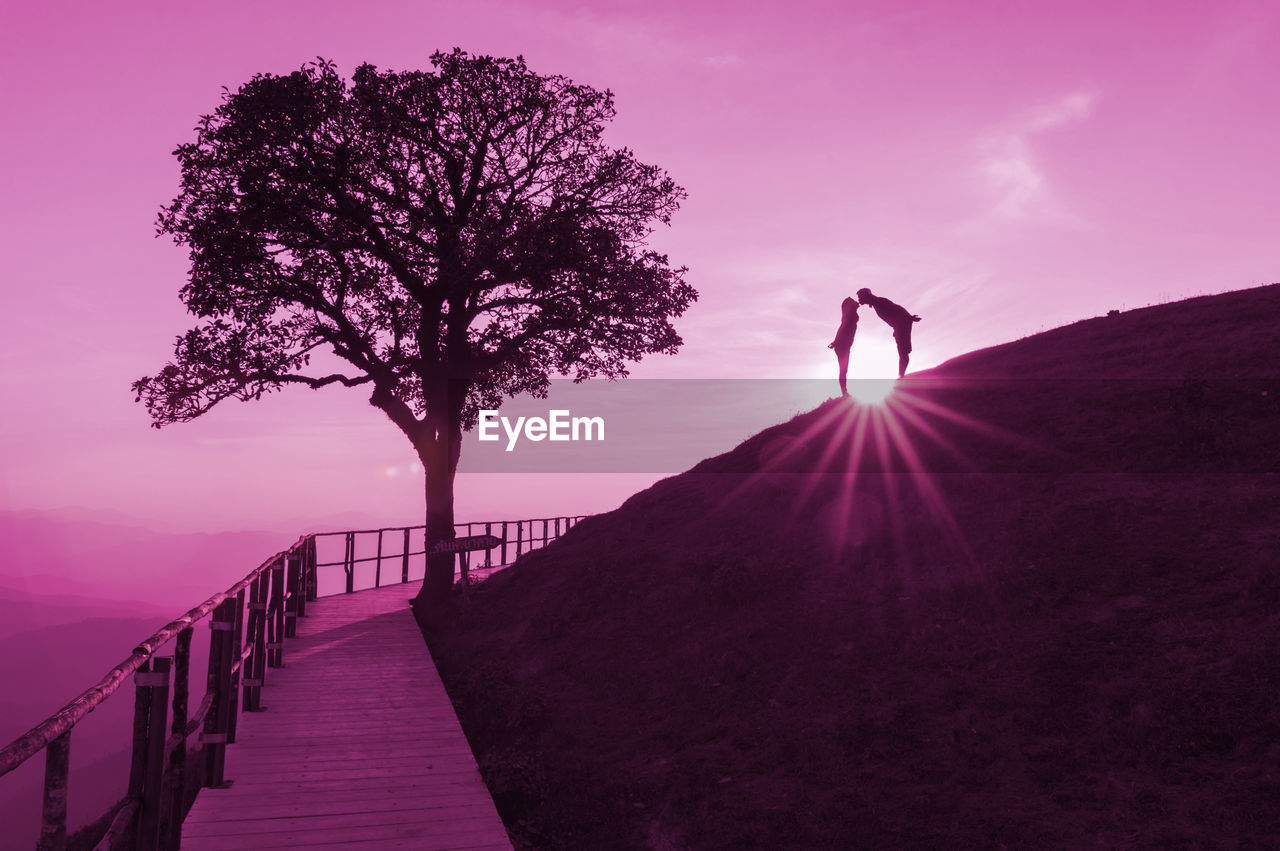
x=357, y=746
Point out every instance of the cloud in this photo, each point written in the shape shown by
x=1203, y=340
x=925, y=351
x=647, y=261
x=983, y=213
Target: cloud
x=1009, y=164
x=1074, y=107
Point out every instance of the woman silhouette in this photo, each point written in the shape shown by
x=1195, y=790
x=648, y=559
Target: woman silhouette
x=844, y=339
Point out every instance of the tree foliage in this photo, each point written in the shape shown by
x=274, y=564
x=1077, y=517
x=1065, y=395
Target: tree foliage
x=456, y=236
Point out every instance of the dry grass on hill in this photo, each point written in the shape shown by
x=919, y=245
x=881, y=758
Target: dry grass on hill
x=1048, y=616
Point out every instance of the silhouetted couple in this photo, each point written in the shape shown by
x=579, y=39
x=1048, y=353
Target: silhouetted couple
x=895, y=316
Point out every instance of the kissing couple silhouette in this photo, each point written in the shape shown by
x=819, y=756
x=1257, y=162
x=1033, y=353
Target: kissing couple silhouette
x=894, y=315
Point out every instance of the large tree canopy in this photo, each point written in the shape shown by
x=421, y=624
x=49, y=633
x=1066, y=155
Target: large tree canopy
x=456, y=236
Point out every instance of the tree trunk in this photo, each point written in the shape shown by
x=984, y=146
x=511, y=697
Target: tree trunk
x=439, y=448
x=437, y=586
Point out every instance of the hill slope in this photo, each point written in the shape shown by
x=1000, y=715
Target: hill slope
x=1217, y=336
x=1032, y=602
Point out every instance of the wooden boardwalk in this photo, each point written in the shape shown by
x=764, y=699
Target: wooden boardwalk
x=358, y=746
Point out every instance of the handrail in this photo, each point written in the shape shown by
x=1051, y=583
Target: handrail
x=521, y=544
x=30, y=743
x=249, y=623
x=574, y=517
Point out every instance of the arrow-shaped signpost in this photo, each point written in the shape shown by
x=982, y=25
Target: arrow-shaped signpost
x=464, y=545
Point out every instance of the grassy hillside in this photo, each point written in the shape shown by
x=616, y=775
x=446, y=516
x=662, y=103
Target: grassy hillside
x=1031, y=602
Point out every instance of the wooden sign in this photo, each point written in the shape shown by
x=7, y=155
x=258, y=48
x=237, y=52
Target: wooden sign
x=467, y=544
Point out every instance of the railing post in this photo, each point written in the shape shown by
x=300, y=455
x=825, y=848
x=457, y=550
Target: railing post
x=275, y=614
x=178, y=756
x=57, y=762
x=260, y=637
x=504, y=542
x=236, y=665
x=300, y=582
x=246, y=667
x=313, y=584
x=218, y=721
x=488, y=554
x=155, y=682
x=138, y=755
x=257, y=640
x=404, y=561
x=349, y=562
x=377, y=564
x=545, y=526
x=293, y=564
x=269, y=615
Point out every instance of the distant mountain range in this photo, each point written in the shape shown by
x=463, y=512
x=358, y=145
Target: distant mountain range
x=62, y=555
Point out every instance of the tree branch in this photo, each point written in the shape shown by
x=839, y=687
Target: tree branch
x=335, y=378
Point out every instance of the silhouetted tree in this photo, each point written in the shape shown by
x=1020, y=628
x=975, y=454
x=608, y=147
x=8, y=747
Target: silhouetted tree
x=455, y=235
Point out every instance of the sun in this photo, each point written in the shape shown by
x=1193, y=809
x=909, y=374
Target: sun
x=868, y=383
x=871, y=391
x=870, y=380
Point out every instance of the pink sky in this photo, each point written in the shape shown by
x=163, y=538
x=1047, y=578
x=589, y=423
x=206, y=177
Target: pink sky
x=998, y=167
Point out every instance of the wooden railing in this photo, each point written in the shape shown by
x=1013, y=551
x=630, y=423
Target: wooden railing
x=248, y=624
x=395, y=546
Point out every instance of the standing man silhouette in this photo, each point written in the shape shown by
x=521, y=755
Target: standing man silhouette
x=896, y=317
x=844, y=339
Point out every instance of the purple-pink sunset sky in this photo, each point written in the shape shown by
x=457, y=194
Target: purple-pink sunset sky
x=998, y=167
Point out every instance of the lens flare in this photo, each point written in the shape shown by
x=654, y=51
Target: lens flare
x=862, y=464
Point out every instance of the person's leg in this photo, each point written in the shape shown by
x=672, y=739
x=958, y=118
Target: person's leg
x=842, y=358
x=902, y=336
